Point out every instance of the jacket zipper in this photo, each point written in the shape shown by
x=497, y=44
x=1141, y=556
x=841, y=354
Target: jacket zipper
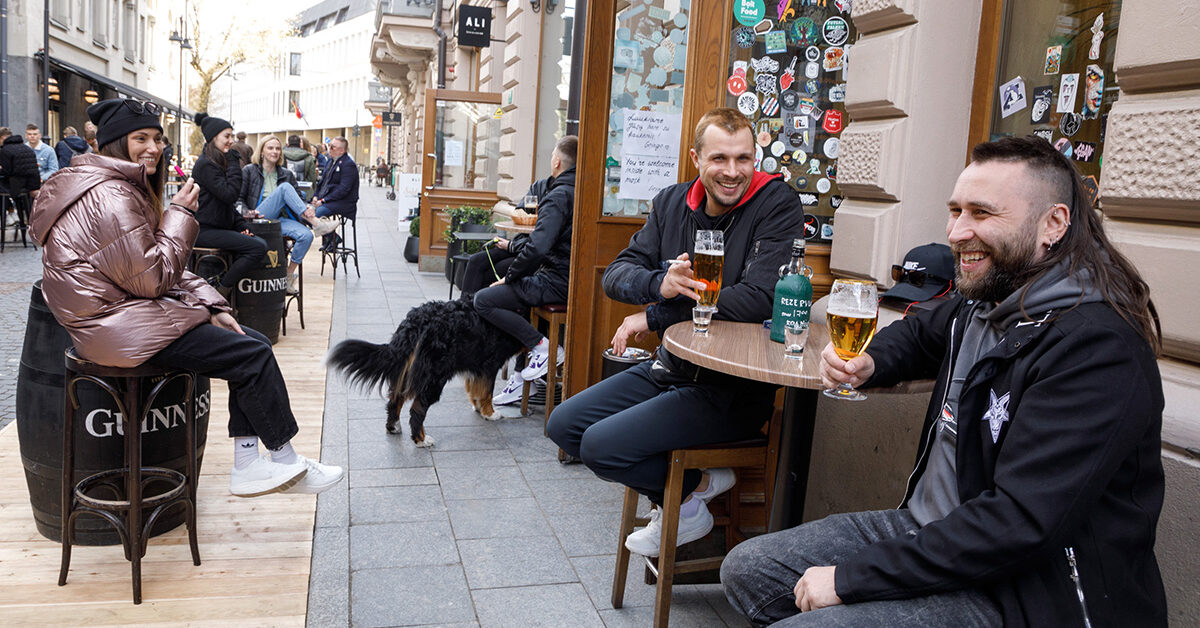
x=1070, y=551
x=908, y=485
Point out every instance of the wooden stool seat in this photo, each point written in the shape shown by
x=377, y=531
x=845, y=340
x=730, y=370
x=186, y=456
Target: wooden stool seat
x=555, y=318
x=124, y=385
x=751, y=453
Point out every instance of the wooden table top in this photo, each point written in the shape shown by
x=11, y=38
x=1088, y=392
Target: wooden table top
x=513, y=227
x=746, y=350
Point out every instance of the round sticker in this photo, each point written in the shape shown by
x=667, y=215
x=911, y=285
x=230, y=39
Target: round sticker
x=736, y=85
x=812, y=53
x=1069, y=125
x=789, y=99
x=663, y=55
x=764, y=138
x=747, y=103
x=749, y=12
x=823, y=185
x=812, y=69
x=801, y=183
x=743, y=36
x=758, y=154
x=798, y=156
x=770, y=165
x=830, y=148
x=812, y=226
x=777, y=148
x=835, y=31
x=785, y=159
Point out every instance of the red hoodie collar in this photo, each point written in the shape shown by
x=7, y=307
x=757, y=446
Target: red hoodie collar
x=696, y=194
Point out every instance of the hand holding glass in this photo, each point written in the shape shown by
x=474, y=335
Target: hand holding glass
x=852, y=311
x=706, y=266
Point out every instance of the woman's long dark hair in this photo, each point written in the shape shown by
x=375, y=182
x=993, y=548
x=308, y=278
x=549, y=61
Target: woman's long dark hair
x=1084, y=244
x=215, y=155
x=119, y=149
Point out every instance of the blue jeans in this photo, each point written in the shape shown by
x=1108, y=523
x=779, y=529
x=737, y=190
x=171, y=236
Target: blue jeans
x=760, y=574
x=285, y=197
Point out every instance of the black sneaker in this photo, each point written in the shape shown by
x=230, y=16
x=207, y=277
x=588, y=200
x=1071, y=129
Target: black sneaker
x=330, y=243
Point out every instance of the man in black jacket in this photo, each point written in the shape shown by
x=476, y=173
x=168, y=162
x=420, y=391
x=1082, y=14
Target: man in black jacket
x=18, y=176
x=490, y=264
x=538, y=273
x=70, y=145
x=1039, y=482
x=623, y=427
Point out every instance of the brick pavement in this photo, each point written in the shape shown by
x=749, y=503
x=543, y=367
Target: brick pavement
x=19, y=268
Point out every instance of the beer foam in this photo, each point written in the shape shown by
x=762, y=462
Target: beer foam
x=849, y=312
x=720, y=253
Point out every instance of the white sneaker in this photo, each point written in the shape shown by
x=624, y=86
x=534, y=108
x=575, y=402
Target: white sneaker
x=319, y=477
x=324, y=225
x=646, y=541
x=293, y=283
x=264, y=476
x=512, y=391
x=719, y=481
x=537, y=363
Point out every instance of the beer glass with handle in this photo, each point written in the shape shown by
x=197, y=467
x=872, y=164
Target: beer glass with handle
x=852, y=311
x=706, y=267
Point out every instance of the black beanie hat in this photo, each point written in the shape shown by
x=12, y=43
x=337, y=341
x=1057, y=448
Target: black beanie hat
x=211, y=126
x=114, y=119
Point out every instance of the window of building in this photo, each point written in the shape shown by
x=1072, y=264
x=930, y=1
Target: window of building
x=294, y=64
x=60, y=12
x=114, y=22
x=129, y=31
x=553, y=84
x=325, y=22
x=307, y=29
x=293, y=101
x=341, y=15
x=142, y=39
x=79, y=14
x=1054, y=77
x=100, y=22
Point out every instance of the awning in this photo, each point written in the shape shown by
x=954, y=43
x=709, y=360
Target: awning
x=126, y=90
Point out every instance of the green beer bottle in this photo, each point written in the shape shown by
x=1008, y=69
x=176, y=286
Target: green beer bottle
x=793, y=294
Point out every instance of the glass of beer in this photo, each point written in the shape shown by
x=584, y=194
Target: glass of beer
x=710, y=257
x=852, y=310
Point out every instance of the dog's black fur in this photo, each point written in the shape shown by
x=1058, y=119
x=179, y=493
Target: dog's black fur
x=435, y=342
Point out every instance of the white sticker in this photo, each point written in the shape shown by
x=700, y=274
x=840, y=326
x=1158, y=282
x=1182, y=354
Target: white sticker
x=1068, y=88
x=823, y=185
x=812, y=69
x=1012, y=97
x=777, y=148
x=747, y=103
x=830, y=148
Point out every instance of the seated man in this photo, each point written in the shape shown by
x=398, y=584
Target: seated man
x=624, y=427
x=1038, y=488
x=337, y=191
x=489, y=265
x=538, y=274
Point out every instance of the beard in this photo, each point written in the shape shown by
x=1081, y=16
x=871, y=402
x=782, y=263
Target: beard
x=1008, y=269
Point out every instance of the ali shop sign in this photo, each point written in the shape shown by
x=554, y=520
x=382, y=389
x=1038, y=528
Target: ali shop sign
x=474, y=26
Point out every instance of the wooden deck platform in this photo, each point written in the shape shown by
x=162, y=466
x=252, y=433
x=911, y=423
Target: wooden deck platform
x=255, y=553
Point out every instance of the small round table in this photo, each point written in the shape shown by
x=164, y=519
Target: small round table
x=511, y=227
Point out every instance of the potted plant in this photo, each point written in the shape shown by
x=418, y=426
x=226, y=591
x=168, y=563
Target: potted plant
x=469, y=219
x=412, y=246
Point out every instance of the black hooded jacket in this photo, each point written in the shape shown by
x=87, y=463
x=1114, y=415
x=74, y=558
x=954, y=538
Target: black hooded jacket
x=219, y=192
x=70, y=146
x=1060, y=503
x=547, y=250
x=18, y=166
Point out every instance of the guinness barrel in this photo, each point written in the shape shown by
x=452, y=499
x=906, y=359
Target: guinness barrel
x=261, y=292
x=99, y=442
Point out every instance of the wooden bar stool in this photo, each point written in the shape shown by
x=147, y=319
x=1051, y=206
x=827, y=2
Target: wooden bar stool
x=555, y=318
x=298, y=297
x=344, y=249
x=210, y=265
x=124, y=385
x=762, y=453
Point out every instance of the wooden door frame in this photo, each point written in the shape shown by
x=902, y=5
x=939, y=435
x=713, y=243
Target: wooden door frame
x=708, y=48
x=432, y=216
x=987, y=55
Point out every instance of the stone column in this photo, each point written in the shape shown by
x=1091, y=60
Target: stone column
x=522, y=36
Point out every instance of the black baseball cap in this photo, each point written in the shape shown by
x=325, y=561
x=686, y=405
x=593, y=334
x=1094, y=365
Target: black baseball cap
x=927, y=272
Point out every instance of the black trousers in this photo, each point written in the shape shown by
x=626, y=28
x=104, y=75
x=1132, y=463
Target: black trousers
x=258, y=398
x=503, y=307
x=248, y=251
x=479, y=274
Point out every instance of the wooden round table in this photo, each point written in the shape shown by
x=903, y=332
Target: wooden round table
x=511, y=227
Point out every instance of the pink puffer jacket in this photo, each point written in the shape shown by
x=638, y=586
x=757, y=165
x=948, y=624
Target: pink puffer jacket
x=114, y=273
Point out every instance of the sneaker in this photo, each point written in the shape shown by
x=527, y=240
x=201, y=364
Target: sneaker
x=263, y=476
x=293, y=284
x=538, y=363
x=719, y=481
x=512, y=391
x=331, y=242
x=324, y=226
x=319, y=476
x=645, y=541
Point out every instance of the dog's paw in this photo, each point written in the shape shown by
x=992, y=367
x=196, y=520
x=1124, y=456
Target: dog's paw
x=394, y=429
x=428, y=442
x=494, y=416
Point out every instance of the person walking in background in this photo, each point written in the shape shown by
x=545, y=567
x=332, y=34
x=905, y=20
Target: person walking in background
x=243, y=149
x=89, y=135
x=114, y=275
x=18, y=165
x=70, y=145
x=47, y=160
x=302, y=164
x=337, y=190
x=222, y=226
x=270, y=189
x=322, y=157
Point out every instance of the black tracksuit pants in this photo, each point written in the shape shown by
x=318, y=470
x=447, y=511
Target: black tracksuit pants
x=248, y=251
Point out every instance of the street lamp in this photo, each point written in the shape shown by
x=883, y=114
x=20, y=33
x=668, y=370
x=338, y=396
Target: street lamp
x=180, y=38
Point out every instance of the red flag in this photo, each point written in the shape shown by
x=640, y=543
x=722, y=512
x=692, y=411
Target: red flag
x=299, y=116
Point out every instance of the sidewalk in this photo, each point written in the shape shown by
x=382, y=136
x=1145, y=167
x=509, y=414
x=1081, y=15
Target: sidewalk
x=486, y=529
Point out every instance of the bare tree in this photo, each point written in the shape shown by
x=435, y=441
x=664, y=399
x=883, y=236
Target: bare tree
x=224, y=35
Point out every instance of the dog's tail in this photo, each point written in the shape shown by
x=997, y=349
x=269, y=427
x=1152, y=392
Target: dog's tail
x=368, y=365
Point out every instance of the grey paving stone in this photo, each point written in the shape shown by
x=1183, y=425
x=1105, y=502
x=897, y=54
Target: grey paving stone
x=388, y=452
x=402, y=545
x=371, y=407
x=482, y=482
x=482, y=458
x=715, y=596
x=577, y=495
x=490, y=518
x=370, y=429
x=554, y=470
x=333, y=507
x=550, y=606
x=684, y=614
x=393, y=504
x=409, y=596
x=453, y=411
x=467, y=438
x=363, y=478
x=587, y=533
x=335, y=454
x=596, y=574
x=329, y=579
x=514, y=562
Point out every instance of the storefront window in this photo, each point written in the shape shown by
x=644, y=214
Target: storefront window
x=467, y=145
x=555, y=84
x=649, y=59
x=1055, y=79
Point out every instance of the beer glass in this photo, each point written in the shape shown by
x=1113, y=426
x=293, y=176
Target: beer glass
x=710, y=257
x=852, y=310
x=530, y=203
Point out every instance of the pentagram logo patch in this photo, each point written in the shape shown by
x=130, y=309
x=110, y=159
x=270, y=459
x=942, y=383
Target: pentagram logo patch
x=997, y=413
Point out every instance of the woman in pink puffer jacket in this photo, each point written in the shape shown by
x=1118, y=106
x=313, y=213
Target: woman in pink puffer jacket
x=115, y=277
